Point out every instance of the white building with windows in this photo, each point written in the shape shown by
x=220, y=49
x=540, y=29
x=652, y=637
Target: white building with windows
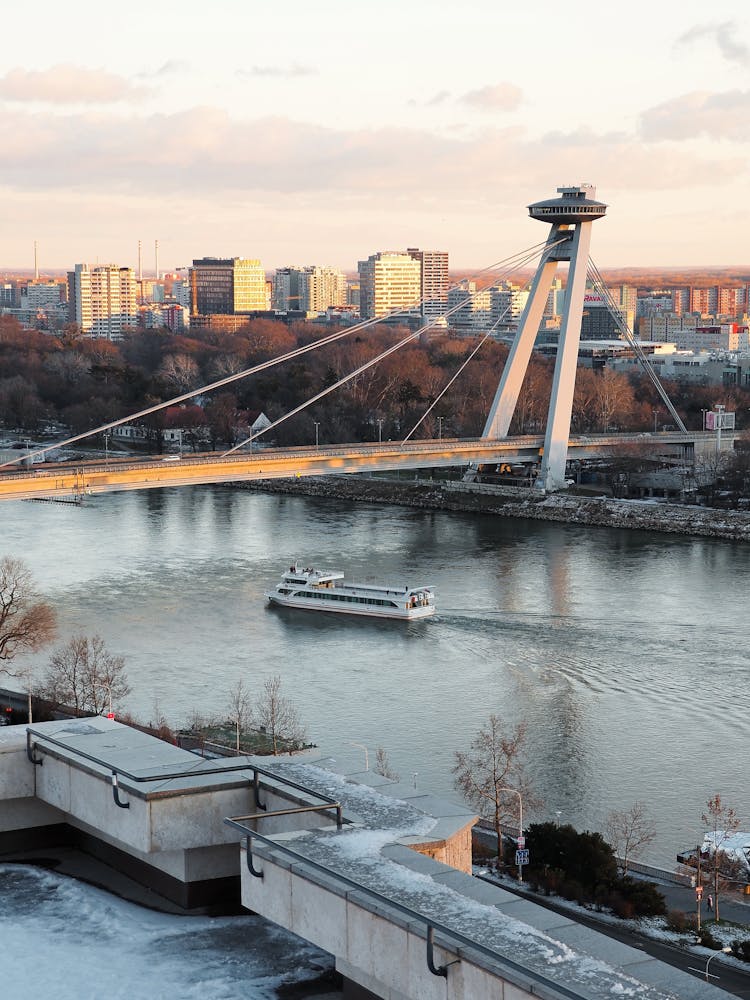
x=389, y=282
x=103, y=301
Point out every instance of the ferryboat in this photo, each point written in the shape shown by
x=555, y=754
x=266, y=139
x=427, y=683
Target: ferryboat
x=325, y=590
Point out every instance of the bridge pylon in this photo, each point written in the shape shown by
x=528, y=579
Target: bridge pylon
x=570, y=217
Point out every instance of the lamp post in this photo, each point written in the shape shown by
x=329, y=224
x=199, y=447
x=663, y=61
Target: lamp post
x=317, y=436
x=179, y=431
x=724, y=951
x=380, y=431
x=106, y=447
x=520, y=825
x=656, y=416
x=440, y=428
x=719, y=408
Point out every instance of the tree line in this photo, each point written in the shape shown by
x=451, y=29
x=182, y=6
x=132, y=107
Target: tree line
x=83, y=383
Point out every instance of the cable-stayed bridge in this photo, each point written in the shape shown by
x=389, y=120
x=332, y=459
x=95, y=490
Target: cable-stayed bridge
x=570, y=218
x=97, y=476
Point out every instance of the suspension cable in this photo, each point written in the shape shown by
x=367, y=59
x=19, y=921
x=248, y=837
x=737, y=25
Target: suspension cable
x=288, y=356
x=371, y=363
x=468, y=359
x=627, y=333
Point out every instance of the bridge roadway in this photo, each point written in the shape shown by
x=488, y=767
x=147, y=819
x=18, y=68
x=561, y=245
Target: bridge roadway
x=93, y=476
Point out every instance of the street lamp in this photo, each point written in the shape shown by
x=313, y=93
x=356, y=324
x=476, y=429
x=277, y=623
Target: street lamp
x=719, y=408
x=317, y=436
x=380, y=431
x=656, y=416
x=179, y=431
x=367, y=755
x=520, y=825
x=724, y=951
x=440, y=428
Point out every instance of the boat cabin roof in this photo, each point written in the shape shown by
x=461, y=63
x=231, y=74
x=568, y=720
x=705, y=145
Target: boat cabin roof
x=296, y=574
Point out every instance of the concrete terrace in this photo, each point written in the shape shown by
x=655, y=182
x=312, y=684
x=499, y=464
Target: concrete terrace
x=375, y=873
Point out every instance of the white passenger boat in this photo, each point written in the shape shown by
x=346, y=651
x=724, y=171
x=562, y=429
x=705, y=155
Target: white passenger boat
x=322, y=590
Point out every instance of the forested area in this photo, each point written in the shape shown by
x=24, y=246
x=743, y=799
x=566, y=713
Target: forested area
x=82, y=383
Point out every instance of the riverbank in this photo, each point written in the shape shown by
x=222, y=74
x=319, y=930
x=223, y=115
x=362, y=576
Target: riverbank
x=504, y=501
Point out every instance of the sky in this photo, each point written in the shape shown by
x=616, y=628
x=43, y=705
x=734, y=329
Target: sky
x=304, y=133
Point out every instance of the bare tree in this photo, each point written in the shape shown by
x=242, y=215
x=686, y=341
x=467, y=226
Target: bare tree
x=275, y=713
x=86, y=677
x=239, y=709
x=26, y=622
x=629, y=831
x=383, y=765
x=491, y=775
x=722, y=821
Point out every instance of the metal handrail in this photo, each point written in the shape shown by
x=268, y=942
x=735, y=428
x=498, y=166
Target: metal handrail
x=118, y=772
x=556, y=989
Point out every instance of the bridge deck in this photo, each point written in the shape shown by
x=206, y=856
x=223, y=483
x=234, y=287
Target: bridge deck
x=80, y=478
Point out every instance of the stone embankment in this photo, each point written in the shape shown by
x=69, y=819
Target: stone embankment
x=504, y=501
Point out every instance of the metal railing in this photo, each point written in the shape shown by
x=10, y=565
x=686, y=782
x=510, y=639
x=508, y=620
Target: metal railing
x=210, y=767
x=453, y=940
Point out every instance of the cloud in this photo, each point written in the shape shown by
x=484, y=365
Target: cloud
x=67, y=84
x=296, y=69
x=171, y=67
x=204, y=152
x=722, y=115
x=497, y=97
x=440, y=98
x=725, y=35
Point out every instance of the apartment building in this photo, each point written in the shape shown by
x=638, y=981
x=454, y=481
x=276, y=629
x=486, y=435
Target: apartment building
x=103, y=301
x=434, y=281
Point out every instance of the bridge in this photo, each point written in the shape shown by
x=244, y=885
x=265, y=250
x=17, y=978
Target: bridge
x=570, y=218
x=95, y=476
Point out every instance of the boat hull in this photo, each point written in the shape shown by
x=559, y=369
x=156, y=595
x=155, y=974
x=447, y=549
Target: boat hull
x=312, y=604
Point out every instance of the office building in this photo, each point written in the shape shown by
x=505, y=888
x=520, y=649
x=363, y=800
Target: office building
x=226, y=286
x=389, y=282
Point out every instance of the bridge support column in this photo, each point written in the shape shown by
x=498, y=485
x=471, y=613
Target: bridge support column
x=570, y=218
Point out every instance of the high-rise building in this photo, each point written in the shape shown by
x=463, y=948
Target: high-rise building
x=507, y=302
x=680, y=301
x=473, y=307
x=554, y=305
x=224, y=286
x=389, y=282
x=310, y=289
x=731, y=302
x=103, y=300
x=320, y=288
x=434, y=281
x=704, y=301
x=285, y=294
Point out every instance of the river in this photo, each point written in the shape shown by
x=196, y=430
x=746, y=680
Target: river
x=626, y=652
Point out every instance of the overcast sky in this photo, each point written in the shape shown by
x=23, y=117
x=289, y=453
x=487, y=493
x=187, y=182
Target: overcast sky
x=303, y=132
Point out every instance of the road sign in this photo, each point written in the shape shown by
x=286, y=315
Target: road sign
x=522, y=857
x=521, y=842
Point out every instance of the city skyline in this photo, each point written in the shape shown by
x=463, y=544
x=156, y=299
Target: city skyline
x=322, y=138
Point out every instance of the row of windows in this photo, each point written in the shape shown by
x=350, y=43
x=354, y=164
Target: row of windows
x=323, y=595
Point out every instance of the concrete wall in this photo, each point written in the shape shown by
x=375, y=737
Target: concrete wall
x=454, y=851
x=381, y=951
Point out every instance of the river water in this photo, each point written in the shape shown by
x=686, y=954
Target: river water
x=626, y=652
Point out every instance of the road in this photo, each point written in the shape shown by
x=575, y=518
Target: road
x=723, y=975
